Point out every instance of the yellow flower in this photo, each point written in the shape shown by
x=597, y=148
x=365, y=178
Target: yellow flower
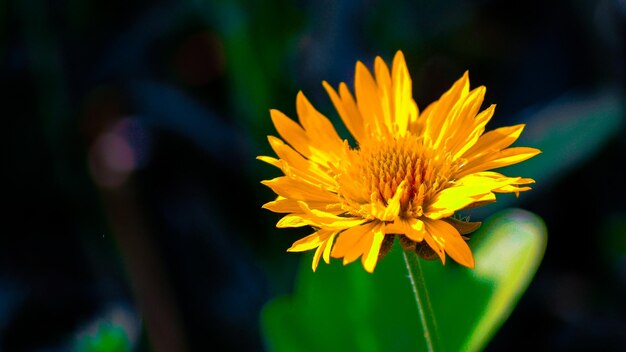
x=408, y=175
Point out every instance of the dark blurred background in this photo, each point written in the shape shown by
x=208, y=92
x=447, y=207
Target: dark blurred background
x=132, y=214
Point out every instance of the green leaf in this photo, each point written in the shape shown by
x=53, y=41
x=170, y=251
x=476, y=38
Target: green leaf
x=345, y=308
x=107, y=338
x=569, y=131
x=475, y=303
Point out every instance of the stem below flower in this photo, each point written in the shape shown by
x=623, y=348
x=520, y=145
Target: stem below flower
x=423, y=302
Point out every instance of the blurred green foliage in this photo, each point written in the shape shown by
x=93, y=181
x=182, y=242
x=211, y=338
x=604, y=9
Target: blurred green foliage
x=107, y=338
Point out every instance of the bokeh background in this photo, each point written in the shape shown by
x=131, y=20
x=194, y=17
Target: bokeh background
x=132, y=198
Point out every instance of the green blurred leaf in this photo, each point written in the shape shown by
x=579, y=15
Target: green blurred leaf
x=471, y=305
x=108, y=338
x=345, y=308
x=569, y=131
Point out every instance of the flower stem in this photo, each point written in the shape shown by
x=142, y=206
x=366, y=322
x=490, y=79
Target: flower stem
x=423, y=301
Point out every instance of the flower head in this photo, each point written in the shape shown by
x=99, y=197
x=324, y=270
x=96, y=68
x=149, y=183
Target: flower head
x=409, y=173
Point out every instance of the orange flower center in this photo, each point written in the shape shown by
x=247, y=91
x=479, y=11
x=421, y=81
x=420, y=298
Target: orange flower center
x=377, y=169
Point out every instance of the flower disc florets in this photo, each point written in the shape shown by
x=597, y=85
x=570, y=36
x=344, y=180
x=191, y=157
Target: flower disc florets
x=377, y=170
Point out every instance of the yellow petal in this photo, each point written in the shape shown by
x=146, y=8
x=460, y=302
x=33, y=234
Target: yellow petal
x=503, y=158
x=415, y=230
x=383, y=82
x=285, y=205
x=383, y=78
x=450, y=200
x=328, y=246
x=294, y=189
x=435, y=246
x=419, y=127
x=370, y=256
x=513, y=189
x=300, y=166
x=393, y=208
x=448, y=238
x=347, y=239
x=469, y=189
x=326, y=219
x=299, y=220
x=319, y=130
x=316, y=258
x=312, y=241
x=437, y=116
x=318, y=218
x=270, y=160
x=362, y=245
x=412, y=228
x=367, y=100
x=291, y=132
x=471, y=132
x=347, y=109
x=482, y=201
x=292, y=220
x=322, y=240
x=462, y=121
x=405, y=108
x=494, y=141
